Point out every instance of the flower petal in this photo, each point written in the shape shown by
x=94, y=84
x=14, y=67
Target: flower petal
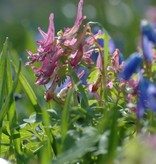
x=147, y=49
x=132, y=65
x=149, y=31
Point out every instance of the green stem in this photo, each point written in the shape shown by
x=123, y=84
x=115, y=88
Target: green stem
x=148, y=69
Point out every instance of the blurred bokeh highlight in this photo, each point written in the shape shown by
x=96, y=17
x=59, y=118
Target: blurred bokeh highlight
x=121, y=18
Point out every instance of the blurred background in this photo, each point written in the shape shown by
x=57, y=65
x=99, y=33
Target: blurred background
x=121, y=18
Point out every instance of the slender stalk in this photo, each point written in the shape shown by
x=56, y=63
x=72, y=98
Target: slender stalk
x=102, y=69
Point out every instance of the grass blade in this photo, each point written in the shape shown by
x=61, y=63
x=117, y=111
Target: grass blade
x=3, y=63
x=65, y=116
x=80, y=87
x=29, y=91
x=13, y=123
x=9, y=100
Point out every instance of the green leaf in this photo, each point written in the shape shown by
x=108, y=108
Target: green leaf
x=81, y=147
x=13, y=123
x=79, y=86
x=33, y=118
x=3, y=63
x=65, y=116
x=29, y=91
x=9, y=99
x=93, y=76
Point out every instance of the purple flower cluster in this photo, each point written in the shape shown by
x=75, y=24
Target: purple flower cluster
x=73, y=45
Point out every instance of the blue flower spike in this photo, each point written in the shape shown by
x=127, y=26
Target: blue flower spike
x=146, y=97
x=132, y=65
x=149, y=31
x=147, y=49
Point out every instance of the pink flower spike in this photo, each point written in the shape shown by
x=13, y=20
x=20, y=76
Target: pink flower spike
x=32, y=57
x=79, y=16
x=44, y=35
x=69, y=33
x=99, y=62
x=110, y=68
x=51, y=29
x=115, y=59
x=50, y=35
x=79, y=54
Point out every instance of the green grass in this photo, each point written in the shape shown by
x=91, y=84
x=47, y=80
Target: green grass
x=32, y=131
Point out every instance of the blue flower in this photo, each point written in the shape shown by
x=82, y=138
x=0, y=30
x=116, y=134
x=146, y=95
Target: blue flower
x=132, y=65
x=151, y=92
x=149, y=31
x=142, y=97
x=147, y=49
x=146, y=97
x=121, y=58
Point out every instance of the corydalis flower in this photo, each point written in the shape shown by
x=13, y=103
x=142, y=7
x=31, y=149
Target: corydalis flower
x=48, y=54
x=56, y=52
x=116, y=61
x=70, y=32
x=48, y=37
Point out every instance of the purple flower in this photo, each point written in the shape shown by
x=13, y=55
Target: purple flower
x=131, y=65
x=48, y=54
x=70, y=32
x=49, y=64
x=115, y=61
x=54, y=52
x=49, y=37
x=45, y=45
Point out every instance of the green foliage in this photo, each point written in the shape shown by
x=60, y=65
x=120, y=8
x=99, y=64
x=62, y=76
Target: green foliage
x=79, y=131
x=93, y=76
